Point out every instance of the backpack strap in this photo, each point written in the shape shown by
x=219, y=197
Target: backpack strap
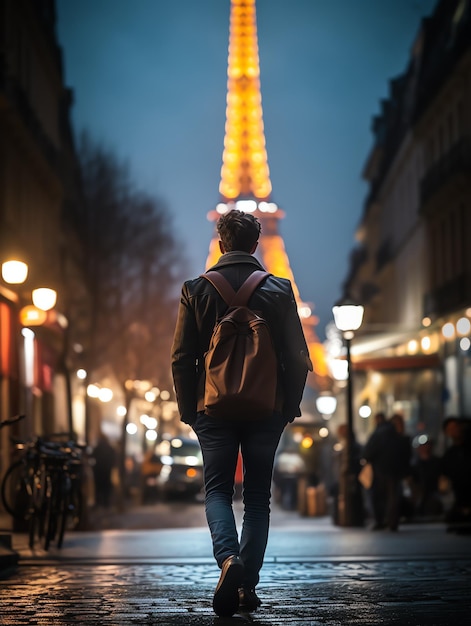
x=222, y=286
x=227, y=293
x=248, y=287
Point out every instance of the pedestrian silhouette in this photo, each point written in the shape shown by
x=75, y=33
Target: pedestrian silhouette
x=425, y=473
x=388, y=450
x=104, y=461
x=456, y=467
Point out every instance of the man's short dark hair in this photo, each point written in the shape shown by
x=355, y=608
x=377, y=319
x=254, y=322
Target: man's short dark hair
x=238, y=230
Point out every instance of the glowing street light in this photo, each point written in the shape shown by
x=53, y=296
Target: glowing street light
x=348, y=317
x=44, y=298
x=326, y=405
x=14, y=272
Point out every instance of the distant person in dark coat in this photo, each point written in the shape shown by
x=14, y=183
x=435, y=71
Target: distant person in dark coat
x=105, y=459
x=456, y=467
x=426, y=474
x=388, y=450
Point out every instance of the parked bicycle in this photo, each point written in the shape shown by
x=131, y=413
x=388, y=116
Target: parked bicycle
x=43, y=487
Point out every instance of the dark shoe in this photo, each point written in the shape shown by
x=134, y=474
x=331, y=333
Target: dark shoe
x=248, y=600
x=226, y=596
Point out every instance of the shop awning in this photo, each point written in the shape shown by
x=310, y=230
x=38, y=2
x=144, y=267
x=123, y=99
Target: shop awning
x=407, y=362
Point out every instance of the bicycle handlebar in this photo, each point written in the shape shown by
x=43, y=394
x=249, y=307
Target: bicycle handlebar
x=12, y=420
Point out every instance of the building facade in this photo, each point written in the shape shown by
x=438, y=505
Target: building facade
x=411, y=268
x=39, y=201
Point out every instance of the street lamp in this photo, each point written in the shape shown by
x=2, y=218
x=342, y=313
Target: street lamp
x=44, y=298
x=14, y=272
x=348, y=317
x=326, y=404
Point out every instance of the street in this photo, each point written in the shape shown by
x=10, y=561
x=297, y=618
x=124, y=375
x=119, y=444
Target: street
x=168, y=514
x=314, y=573
x=415, y=593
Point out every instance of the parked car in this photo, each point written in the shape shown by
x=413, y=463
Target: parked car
x=173, y=467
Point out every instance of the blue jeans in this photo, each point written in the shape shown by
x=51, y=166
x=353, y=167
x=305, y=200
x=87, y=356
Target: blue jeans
x=220, y=442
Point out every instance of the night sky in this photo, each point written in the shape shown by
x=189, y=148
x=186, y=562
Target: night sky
x=149, y=79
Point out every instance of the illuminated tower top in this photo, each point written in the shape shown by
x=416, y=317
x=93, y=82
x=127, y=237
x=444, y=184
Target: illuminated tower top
x=245, y=176
x=245, y=168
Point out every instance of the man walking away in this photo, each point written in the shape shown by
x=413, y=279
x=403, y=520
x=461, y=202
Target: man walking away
x=201, y=307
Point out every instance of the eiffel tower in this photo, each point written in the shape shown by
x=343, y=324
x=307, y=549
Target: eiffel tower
x=245, y=176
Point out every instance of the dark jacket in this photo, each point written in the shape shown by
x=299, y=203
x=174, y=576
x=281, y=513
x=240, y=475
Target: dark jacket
x=200, y=308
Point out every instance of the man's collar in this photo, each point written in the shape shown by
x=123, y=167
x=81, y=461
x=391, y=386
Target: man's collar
x=231, y=258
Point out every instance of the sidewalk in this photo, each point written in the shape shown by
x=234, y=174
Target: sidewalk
x=314, y=573
x=305, y=541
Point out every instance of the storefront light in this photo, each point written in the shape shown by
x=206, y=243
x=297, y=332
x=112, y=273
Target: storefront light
x=326, y=405
x=412, y=346
x=149, y=422
x=426, y=322
x=93, y=391
x=448, y=330
x=376, y=379
x=307, y=442
x=105, y=394
x=465, y=344
x=463, y=326
x=425, y=343
x=30, y=315
x=131, y=428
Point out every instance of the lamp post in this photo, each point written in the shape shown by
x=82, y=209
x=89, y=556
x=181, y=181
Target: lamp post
x=348, y=317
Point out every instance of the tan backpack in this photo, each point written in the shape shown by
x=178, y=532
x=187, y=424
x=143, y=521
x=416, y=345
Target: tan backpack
x=241, y=363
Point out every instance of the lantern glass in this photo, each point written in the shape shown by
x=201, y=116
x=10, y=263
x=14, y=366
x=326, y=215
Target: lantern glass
x=44, y=298
x=348, y=317
x=14, y=272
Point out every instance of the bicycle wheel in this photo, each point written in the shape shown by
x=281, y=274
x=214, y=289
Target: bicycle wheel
x=33, y=526
x=64, y=512
x=38, y=499
x=76, y=509
x=50, y=514
x=15, y=497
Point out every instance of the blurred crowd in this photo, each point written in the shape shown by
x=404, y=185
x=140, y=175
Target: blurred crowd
x=398, y=479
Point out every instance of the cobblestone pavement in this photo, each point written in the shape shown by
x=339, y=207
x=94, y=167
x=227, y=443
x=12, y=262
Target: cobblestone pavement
x=408, y=593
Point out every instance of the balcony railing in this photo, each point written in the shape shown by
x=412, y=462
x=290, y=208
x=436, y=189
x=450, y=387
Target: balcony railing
x=456, y=161
x=17, y=98
x=448, y=297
